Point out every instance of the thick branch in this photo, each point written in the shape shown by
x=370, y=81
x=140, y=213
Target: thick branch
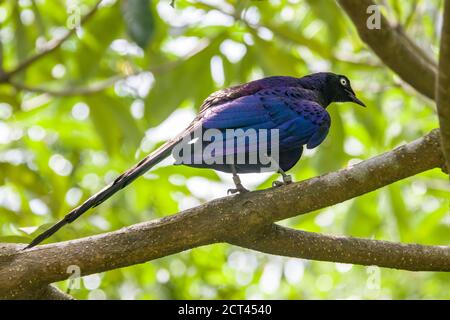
x=49, y=48
x=394, y=48
x=222, y=220
x=48, y=292
x=443, y=85
x=283, y=241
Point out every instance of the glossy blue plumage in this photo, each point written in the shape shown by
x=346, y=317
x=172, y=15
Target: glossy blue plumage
x=272, y=103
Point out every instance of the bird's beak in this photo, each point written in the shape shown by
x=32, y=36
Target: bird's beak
x=354, y=99
x=357, y=101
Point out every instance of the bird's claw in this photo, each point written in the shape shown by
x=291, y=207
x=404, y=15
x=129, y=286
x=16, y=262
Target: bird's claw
x=239, y=189
x=277, y=184
x=286, y=180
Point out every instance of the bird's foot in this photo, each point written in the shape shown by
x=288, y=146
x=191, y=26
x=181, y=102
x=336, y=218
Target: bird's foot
x=239, y=189
x=237, y=182
x=277, y=184
x=286, y=180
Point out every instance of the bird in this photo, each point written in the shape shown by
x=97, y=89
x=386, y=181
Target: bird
x=296, y=108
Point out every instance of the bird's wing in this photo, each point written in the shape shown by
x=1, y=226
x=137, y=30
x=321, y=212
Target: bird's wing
x=247, y=89
x=298, y=120
x=318, y=137
x=319, y=118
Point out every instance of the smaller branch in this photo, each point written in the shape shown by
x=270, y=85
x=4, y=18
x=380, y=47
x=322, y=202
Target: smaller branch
x=70, y=91
x=106, y=83
x=52, y=45
x=288, y=242
x=394, y=48
x=443, y=85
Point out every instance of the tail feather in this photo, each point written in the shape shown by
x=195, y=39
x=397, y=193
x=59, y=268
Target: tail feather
x=121, y=182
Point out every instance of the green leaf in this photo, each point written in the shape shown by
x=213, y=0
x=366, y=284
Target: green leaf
x=20, y=37
x=328, y=12
x=97, y=37
x=399, y=211
x=191, y=80
x=104, y=123
x=14, y=239
x=22, y=176
x=275, y=60
x=139, y=21
x=114, y=123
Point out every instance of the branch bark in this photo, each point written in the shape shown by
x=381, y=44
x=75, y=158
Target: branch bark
x=283, y=241
x=230, y=219
x=394, y=48
x=443, y=85
x=48, y=292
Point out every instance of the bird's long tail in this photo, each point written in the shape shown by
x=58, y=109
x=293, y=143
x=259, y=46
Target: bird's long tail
x=121, y=182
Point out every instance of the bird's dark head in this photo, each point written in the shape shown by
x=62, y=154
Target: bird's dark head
x=332, y=87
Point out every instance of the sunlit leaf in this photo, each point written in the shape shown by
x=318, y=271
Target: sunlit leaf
x=139, y=20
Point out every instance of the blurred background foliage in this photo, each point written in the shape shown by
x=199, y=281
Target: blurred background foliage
x=134, y=75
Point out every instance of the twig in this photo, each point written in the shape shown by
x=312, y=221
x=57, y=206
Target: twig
x=70, y=91
x=283, y=241
x=106, y=83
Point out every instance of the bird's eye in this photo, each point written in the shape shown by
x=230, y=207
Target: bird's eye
x=343, y=82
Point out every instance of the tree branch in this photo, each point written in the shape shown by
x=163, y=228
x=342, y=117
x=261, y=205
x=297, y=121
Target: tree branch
x=71, y=91
x=48, y=292
x=51, y=46
x=102, y=85
x=283, y=241
x=443, y=85
x=394, y=48
x=229, y=219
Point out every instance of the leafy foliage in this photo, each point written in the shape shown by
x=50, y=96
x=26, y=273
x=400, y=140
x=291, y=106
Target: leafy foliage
x=57, y=150
x=138, y=20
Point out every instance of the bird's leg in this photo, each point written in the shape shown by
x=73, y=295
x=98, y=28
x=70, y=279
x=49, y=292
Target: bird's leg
x=237, y=182
x=287, y=179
